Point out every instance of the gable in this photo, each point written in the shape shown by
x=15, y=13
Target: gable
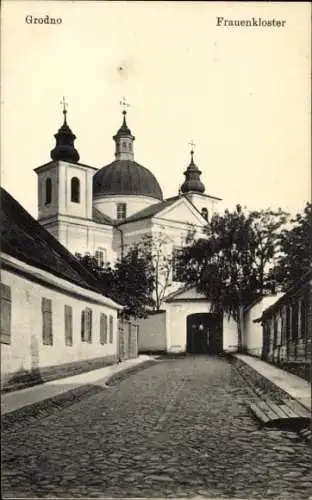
x=186, y=293
x=182, y=211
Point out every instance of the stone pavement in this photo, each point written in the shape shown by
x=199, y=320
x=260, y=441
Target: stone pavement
x=15, y=400
x=294, y=386
x=180, y=428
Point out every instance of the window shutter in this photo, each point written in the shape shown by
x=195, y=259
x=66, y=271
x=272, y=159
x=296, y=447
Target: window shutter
x=68, y=325
x=83, y=326
x=111, y=329
x=103, y=329
x=90, y=326
x=6, y=306
x=47, y=333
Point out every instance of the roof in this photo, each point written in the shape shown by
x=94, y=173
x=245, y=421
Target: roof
x=101, y=218
x=25, y=239
x=150, y=211
x=285, y=298
x=126, y=177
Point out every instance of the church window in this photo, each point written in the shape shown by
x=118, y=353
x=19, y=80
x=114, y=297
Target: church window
x=100, y=256
x=121, y=211
x=68, y=312
x=75, y=190
x=86, y=325
x=48, y=191
x=47, y=331
x=130, y=146
x=204, y=213
x=103, y=329
x=124, y=145
x=5, y=315
x=177, y=267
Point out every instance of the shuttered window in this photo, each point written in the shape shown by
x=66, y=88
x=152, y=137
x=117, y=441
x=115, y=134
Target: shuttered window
x=5, y=314
x=111, y=329
x=86, y=325
x=68, y=312
x=47, y=332
x=103, y=329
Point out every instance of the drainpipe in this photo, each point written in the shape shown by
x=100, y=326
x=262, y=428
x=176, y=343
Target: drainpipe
x=121, y=242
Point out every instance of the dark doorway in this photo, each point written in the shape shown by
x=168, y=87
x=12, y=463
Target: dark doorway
x=204, y=333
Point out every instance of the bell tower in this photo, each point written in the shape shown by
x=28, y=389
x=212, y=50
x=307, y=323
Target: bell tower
x=64, y=186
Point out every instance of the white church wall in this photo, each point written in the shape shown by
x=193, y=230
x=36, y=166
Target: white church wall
x=26, y=350
x=50, y=209
x=108, y=204
x=202, y=201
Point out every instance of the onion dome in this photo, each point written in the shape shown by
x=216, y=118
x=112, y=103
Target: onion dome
x=192, y=181
x=64, y=149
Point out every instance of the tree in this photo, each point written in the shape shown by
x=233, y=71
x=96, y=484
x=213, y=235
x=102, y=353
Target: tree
x=231, y=265
x=128, y=282
x=155, y=251
x=295, y=250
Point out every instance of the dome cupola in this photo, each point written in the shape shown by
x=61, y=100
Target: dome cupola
x=192, y=181
x=64, y=149
x=124, y=176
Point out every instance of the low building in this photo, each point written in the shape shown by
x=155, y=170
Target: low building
x=287, y=329
x=54, y=319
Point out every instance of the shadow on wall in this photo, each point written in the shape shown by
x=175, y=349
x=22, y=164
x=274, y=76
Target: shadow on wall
x=35, y=370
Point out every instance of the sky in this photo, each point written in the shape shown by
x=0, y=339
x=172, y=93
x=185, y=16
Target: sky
x=242, y=94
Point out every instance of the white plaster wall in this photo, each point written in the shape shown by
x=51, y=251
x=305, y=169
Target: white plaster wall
x=253, y=331
x=177, y=313
x=52, y=208
x=108, y=204
x=26, y=346
x=201, y=201
x=152, y=333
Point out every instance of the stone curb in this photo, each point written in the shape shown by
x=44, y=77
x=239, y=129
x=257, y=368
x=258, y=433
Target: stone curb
x=264, y=387
x=19, y=418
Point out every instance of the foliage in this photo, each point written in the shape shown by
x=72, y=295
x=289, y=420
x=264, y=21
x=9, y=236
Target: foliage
x=295, y=250
x=231, y=265
x=153, y=250
x=127, y=282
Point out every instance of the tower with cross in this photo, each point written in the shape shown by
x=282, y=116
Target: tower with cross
x=124, y=139
x=64, y=185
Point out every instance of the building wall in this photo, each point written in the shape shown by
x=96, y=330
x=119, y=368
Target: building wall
x=253, y=340
x=108, y=204
x=26, y=350
x=177, y=313
x=152, y=333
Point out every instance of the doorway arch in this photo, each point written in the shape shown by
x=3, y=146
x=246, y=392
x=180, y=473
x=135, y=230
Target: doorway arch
x=204, y=333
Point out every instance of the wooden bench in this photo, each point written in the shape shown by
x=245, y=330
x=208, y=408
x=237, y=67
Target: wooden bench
x=289, y=413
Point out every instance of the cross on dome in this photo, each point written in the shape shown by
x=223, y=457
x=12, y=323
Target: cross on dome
x=124, y=104
x=64, y=105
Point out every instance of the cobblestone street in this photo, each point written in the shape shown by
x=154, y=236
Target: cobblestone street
x=178, y=428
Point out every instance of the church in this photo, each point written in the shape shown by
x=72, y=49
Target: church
x=101, y=212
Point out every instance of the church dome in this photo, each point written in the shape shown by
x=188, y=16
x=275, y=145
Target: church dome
x=126, y=177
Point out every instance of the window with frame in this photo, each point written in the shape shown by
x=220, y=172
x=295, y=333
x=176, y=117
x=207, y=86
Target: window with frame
x=294, y=321
x=111, y=329
x=48, y=191
x=101, y=256
x=47, y=327
x=5, y=314
x=205, y=213
x=177, y=267
x=86, y=325
x=68, y=312
x=75, y=190
x=121, y=211
x=103, y=329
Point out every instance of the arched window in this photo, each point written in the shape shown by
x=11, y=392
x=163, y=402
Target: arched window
x=75, y=190
x=204, y=213
x=124, y=145
x=48, y=191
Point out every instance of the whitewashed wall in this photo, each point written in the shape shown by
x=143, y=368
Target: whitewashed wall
x=26, y=347
x=135, y=203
